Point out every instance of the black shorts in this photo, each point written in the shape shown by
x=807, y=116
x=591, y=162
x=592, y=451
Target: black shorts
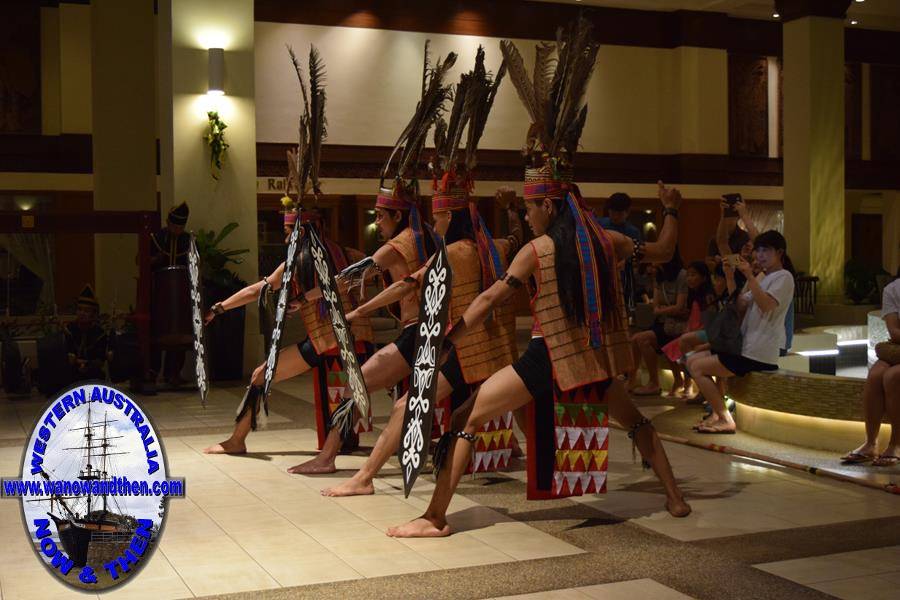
x=308, y=353
x=536, y=371
x=406, y=344
x=741, y=365
x=452, y=372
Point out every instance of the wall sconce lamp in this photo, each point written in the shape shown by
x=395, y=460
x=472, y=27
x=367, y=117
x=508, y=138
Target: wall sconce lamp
x=216, y=72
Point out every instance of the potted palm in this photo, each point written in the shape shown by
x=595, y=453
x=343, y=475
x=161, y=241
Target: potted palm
x=225, y=335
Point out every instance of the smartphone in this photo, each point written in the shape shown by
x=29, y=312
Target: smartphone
x=733, y=259
x=731, y=200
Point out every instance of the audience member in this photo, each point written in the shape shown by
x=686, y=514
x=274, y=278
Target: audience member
x=85, y=339
x=764, y=307
x=618, y=207
x=881, y=393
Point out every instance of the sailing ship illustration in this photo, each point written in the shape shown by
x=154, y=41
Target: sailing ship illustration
x=85, y=521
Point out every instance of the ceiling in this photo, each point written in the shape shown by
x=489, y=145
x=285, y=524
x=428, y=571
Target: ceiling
x=870, y=14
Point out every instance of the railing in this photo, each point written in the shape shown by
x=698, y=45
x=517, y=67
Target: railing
x=805, y=295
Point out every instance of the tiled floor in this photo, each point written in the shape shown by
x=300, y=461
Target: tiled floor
x=872, y=574
x=643, y=589
x=247, y=525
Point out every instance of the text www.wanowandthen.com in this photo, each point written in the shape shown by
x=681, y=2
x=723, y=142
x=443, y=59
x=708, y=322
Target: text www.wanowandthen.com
x=115, y=486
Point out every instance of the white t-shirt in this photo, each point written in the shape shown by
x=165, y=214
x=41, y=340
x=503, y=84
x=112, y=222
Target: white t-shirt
x=890, y=301
x=764, y=334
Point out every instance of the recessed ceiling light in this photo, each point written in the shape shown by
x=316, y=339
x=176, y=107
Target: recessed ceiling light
x=776, y=16
x=860, y=0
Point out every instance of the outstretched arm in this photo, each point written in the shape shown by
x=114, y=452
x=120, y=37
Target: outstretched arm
x=521, y=268
x=663, y=248
x=742, y=211
x=246, y=295
x=393, y=293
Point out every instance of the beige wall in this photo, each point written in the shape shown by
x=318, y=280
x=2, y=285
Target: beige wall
x=635, y=97
x=187, y=29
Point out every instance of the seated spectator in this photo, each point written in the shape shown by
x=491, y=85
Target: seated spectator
x=763, y=307
x=700, y=297
x=618, y=206
x=881, y=393
x=670, y=293
x=85, y=340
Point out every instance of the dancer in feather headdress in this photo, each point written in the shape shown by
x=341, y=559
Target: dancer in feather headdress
x=476, y=261
x=580, y=340
x=407, y=247
x=319, y=351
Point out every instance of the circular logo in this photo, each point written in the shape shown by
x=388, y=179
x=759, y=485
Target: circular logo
x=94, y=487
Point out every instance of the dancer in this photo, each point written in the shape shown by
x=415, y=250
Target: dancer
x=476, y=261
x=319, y=350
x=580, y=342
x=408, y=246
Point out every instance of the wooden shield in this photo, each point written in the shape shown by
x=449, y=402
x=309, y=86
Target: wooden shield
x=434, y=312
x=197, y=321
x=281, y=309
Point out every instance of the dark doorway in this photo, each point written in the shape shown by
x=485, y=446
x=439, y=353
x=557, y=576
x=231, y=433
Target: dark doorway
x=865, y=239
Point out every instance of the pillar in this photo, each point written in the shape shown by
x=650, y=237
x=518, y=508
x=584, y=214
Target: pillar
x=814, y=139
x=123, y=107
x=187, y=29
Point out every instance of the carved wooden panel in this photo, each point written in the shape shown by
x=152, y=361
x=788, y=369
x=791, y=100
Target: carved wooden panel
x=748, y=115
x=20, y=67
x=885, y=83
x=853, y=111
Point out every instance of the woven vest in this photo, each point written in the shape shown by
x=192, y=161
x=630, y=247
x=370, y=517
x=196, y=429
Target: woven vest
x=318, y=326
x=492, y=345
x=405, y=245
x=575, y=363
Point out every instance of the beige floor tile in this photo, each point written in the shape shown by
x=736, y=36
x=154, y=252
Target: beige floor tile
x=395, y=563
x=457, y=551
x=190, y=552
x=475, y=518
x=291, y=567
x=227, y=577
x=158, y=580
x=566, y=594
x=29, y=582
x=820, y=569
x=522, y=542
x=328, y=535
x=859, y=588
x=236, y=520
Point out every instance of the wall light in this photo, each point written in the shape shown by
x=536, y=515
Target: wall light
x=854, y=22
x=216, y=72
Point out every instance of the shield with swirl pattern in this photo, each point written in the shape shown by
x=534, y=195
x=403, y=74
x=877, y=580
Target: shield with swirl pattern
x=325, y=273
x=280, y=312
x=434, y=311
x=197, y=321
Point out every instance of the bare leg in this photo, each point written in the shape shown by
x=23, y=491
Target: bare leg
x=677, y=381
x=503, y=391
x=622, y=409
x=290, y=364
x=385, y=447
x=874, y=400
x=703, y=369
x=646, y=343
x=892, y=404
x=383, y=369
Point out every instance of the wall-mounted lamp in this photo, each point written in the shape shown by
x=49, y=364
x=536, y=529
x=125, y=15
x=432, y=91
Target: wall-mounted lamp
x=216, y=72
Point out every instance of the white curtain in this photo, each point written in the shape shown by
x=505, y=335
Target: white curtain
x=33, y=250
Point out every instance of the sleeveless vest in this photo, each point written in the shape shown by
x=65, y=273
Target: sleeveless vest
x=575, y=363
x=492, y=345
x=318, y=325
x=405, y=245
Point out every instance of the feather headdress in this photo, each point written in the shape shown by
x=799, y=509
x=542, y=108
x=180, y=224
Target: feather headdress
x=554, y=95
x=554, y=99
x=452, y=167
x=404, y=157
x=304, y=161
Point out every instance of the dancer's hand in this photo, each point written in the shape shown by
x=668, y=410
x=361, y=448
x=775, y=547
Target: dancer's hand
x=208, y=317
x=506, y=197
x=670, y=197
x=353, y=314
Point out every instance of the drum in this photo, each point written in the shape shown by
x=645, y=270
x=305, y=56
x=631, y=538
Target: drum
x=171, y=308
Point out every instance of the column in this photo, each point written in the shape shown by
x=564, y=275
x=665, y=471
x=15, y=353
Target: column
x=123, y=106
x=187, y=29
x=814, y=139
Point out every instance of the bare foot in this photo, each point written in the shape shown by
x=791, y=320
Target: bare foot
x=417, y=528
x=350, y=488
x=678, y=508
x=315, y=466
x=229, y=446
